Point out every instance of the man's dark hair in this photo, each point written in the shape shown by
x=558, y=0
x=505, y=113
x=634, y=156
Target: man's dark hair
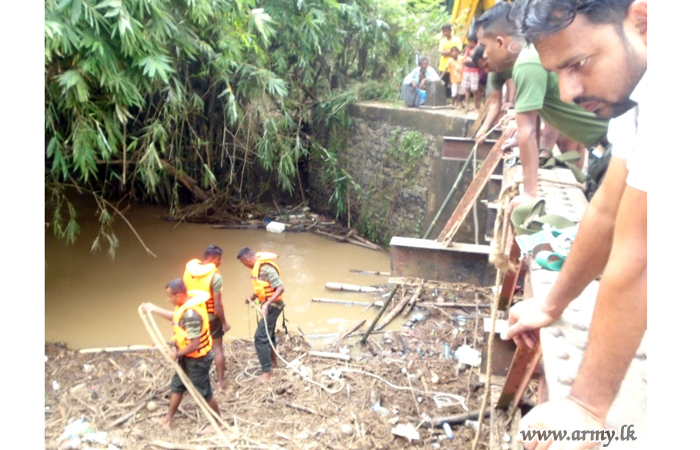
x=212, y=251
x=446, y=26
x=176, y=286
x=423, y=58
x=472, y=36
x=539, y=18
x=497, y=21
x=246, y=252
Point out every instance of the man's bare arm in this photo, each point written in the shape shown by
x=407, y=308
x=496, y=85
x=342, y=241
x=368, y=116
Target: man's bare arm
x=219, y=308
x=492, y=113
x=278, y=291
x=620, y=314
x=586, y=260
x=192, y=346
x=591, y=248
x=510, y=91
x=529, y=152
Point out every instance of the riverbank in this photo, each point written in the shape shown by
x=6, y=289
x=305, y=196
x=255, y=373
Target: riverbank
x=405, y=369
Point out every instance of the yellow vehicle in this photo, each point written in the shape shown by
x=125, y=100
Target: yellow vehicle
x=463, y=12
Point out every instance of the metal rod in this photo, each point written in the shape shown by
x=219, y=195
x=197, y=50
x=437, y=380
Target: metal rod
x=379, y=314
x=452, y=191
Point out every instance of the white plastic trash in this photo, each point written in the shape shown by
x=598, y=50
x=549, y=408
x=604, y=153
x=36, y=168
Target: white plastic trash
x=407, y=431
x=275, y=227
x=468, y=355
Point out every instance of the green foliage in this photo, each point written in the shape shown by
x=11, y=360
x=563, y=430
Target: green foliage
x=409, y=152
x=144, y=98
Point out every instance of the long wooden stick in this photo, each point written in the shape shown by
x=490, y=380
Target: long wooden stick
x=394, y=312
x=451, y=305
x=379, y=314
x=370, y=272
x=329, y=355
x=339, y=302
x=353, y=329
x=413, y=300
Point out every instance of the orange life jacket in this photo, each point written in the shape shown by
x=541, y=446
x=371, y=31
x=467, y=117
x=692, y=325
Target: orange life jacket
x=196, y=303
x=197, y=277
x=262, y=289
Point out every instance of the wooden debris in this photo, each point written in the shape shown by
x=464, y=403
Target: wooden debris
x=394, y=312
x=370, y=272
x=452, y=305
x=330, y=355
x=128, y=415
x=349, y=287
x=340, y=302
x=353, y=329
x=413, y=300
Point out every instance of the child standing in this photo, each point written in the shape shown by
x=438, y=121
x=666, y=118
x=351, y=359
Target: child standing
x=444, y=50
x=455, y=67
x=470, y=80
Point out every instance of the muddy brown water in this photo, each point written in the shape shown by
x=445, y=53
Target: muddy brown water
x=91, y=300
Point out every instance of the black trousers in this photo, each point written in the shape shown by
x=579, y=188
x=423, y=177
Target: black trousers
x=448, y=85
x=262, y=343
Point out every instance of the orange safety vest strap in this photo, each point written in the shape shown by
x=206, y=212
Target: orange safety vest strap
x=262, y=289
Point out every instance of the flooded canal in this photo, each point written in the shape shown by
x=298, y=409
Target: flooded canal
x=92, y=300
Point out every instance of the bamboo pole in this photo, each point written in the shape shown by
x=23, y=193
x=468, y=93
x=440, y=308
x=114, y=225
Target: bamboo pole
x=353, y=329
x=394, y=312
x=370, y=272
x=452, y=192
x=339, y=302
x=381, y=311
x=330, y=355
x=453, y=305
x=349, y=287
x=413, y=300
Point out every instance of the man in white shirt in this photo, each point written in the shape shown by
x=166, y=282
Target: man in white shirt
x=599, y=50
x=413, y=87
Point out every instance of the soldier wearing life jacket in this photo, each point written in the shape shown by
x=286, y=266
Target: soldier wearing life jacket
x=267, y=292
x=204, y=276
x=193, y=342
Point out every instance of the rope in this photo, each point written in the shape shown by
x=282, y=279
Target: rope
x=437, y=396
x=497, y=255
x=289, y=366
x=161, y=345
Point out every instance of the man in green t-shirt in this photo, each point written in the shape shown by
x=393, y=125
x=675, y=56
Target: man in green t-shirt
x=537, y=93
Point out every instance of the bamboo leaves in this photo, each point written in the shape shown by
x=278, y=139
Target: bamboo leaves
x=74, y=85
x=157, y=64
x=212, y=88
x=261, y=21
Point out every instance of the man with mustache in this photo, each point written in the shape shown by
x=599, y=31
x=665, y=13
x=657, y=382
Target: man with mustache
x=599, y=50
x=536, y=93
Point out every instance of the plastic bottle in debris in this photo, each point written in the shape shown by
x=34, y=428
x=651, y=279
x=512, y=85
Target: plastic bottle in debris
x=382, y=411
x=376, y=402
x=75, y=429
x=448, y=430
x=446, y=351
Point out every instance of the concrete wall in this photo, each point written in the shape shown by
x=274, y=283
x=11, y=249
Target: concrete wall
x=368, y=159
